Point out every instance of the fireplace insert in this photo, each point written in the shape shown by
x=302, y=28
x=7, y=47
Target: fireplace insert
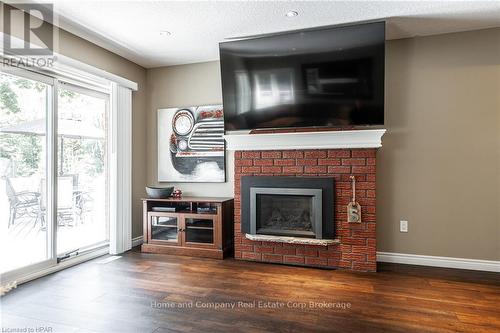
x=288, y=206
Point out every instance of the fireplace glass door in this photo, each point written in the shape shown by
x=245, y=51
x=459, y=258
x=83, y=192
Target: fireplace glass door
x=286, y=212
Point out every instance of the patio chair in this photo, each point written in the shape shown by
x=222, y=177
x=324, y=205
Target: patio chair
x=65, y=201
x=84, y=204
x=22, y=204
x=66, y=209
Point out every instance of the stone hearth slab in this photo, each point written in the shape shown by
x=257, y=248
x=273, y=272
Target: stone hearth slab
x=292, y=240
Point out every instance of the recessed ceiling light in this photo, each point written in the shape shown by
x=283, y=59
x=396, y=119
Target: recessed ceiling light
x=291, y=13
x=165, y=33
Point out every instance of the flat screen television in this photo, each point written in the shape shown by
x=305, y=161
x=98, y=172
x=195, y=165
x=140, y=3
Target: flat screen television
x=330, y=76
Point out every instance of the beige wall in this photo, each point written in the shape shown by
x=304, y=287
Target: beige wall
x=439, y=167
x=185, y=85
x=77, y=48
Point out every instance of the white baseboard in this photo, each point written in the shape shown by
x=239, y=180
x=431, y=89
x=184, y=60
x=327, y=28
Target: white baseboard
x=447, y=262
x=136, y=241
x=422, y=260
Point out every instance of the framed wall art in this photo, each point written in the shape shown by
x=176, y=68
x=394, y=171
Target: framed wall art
x=191, y=144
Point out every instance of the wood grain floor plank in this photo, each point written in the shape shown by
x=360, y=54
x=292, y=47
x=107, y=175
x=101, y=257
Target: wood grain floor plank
x=167, y=294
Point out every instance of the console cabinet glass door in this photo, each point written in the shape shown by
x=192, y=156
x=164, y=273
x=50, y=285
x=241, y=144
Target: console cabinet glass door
x=199, y=230
x=164, y=227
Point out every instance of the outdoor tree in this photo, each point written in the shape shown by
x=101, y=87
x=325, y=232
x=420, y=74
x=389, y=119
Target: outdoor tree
x=23, y=151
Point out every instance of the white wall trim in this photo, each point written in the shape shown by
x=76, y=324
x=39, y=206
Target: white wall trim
x=305, y=140
x=63, y=63
x=72, y=68
x=136, y=241
x=447, y=262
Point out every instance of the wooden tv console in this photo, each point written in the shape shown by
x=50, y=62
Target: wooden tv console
x=190, y=226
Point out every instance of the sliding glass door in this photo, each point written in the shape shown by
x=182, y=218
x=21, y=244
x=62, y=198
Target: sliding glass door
x=53, y=170
x=25, y=105
x=82, y=205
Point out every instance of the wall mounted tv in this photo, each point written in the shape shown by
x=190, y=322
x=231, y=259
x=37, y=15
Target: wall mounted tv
x=330, y=76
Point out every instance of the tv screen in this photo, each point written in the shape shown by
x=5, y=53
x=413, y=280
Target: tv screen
x=321, y=77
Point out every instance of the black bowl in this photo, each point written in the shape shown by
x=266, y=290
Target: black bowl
x=159, y=192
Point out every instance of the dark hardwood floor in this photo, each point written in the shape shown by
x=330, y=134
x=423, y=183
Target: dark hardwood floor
x=159, y=293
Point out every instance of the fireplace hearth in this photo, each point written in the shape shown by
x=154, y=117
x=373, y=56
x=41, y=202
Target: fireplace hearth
x=288, y=206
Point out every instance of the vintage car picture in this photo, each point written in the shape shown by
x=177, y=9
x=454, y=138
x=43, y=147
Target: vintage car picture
x=191, y=144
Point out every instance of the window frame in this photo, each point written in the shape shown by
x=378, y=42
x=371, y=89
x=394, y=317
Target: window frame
x=101, y=88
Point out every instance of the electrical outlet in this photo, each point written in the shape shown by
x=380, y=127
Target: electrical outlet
x=403, y=226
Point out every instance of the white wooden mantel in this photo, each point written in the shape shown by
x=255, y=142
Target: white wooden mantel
x=305, y=140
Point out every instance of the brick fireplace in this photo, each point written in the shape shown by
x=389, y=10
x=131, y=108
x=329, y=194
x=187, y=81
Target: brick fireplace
x=356, y=242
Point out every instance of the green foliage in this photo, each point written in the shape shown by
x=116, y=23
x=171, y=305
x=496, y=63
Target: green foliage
x=31, y=153
x=23, y=83
x=23, y=150
x=96, y=150
x=67, y=94
x=80, y=156
x=8, y=98
x=28, y=84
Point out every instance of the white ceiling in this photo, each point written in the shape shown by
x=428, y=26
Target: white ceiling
x=132, y=28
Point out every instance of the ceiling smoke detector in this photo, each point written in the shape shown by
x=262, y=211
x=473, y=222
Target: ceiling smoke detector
x=291, y=13
x=165, y=33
